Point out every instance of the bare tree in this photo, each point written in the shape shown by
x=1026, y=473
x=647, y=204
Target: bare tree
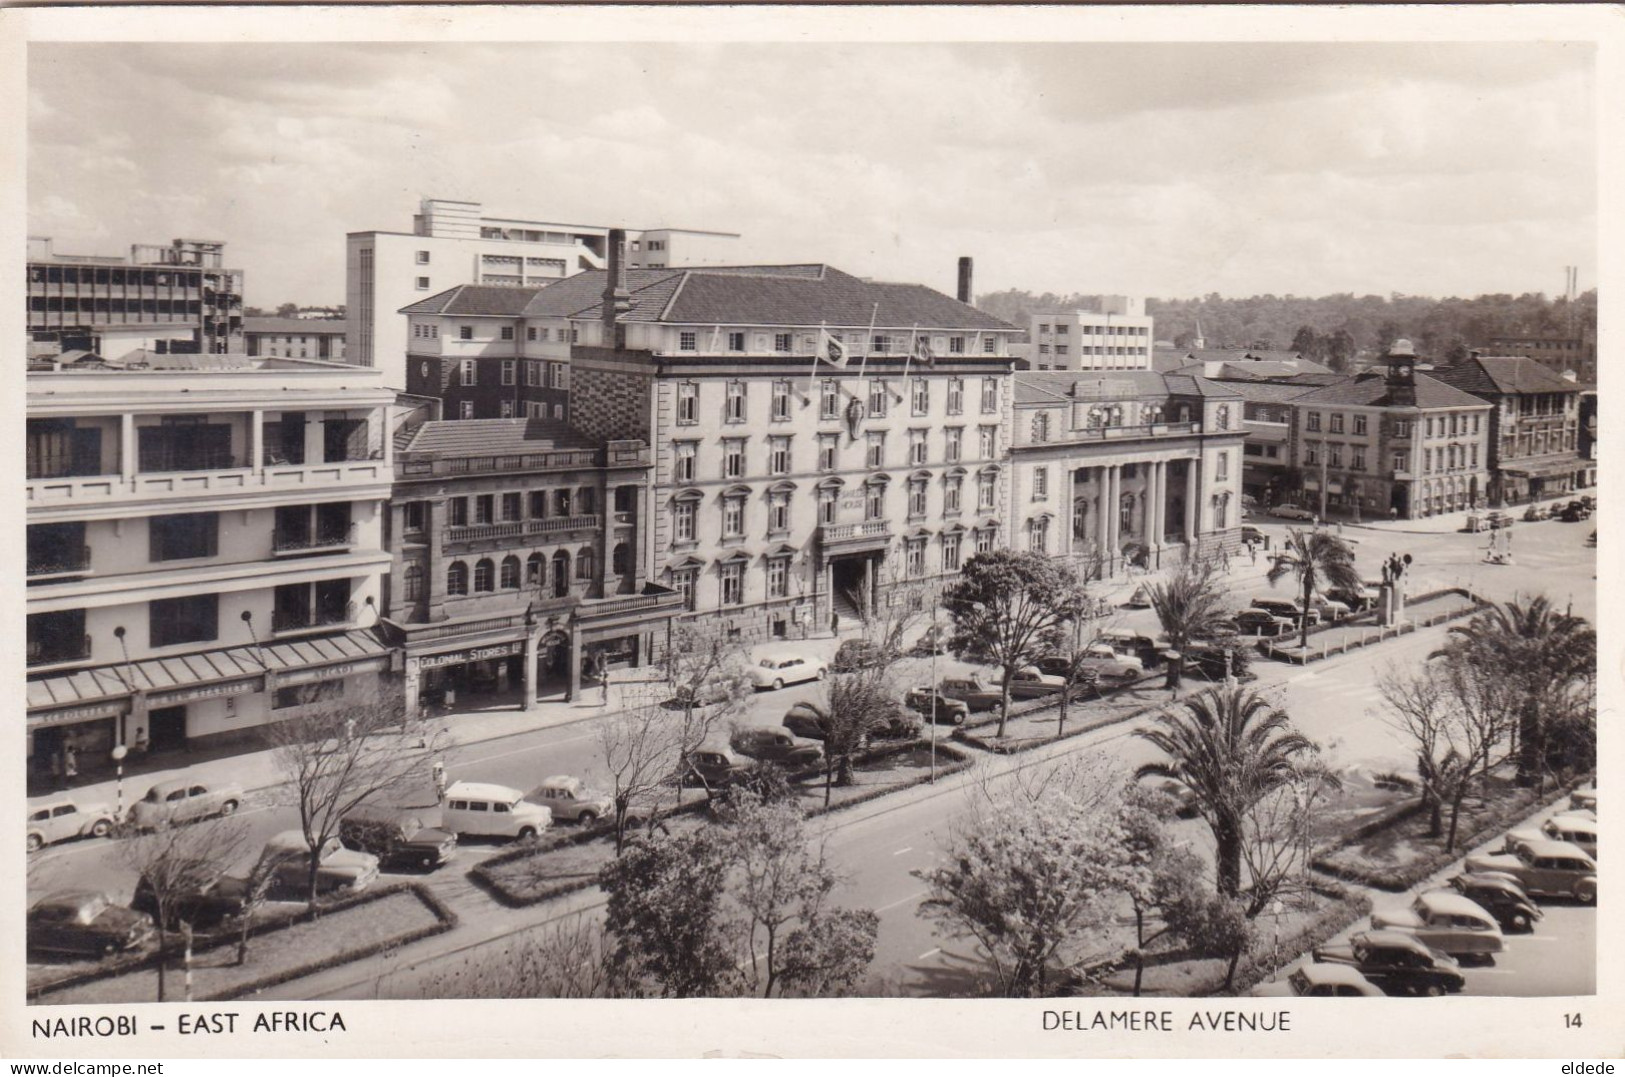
x=639, y=748
x=336, y=755
x=853, y=707
x=566, y=959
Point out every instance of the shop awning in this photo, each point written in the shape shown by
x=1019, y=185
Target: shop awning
x=233, y=664
x=1540, y=469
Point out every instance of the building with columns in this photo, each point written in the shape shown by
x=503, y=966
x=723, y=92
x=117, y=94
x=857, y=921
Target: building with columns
x=204, y=548
x=516, y=554
x=1124, y=467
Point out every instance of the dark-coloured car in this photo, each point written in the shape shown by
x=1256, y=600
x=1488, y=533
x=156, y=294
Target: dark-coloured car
x=938, y=708
x=208, y=903
x=776, y=746
x=893, y=723
x=714, y=767
x=85, y=922
x=398, y=837
x=1500, y=897
x=1545, y=869
x=1397, y=963
x=1249, y=533
x=1214, y=660
x=1574, y=512
x=1131, y=646
x=858, y=654
x=934, y=639
x=1260, y=623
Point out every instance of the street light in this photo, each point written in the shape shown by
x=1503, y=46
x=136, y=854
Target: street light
x=119, y=752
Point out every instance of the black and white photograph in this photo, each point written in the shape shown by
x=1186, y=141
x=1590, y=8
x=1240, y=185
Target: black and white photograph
x=1090, y=518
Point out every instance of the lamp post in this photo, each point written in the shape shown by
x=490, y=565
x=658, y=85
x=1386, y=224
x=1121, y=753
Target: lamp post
x=936, y=647
x=119, y=752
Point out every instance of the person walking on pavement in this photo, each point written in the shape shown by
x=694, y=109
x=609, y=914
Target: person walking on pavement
x=1252, y=549
x=603, y=681
x=439, y=772
x=70, y=761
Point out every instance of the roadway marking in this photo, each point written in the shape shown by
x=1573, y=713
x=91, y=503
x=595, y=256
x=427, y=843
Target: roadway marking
x=516, y=751
x=929, y=953
x=903, y=901
x=904, y=849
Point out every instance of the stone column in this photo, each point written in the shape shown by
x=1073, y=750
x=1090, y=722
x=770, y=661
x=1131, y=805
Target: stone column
x=532, y=637
x=1193, y=507
x=575, y=665
x=1113, y=513
x=128, y=457
x=434, y=562
x=256, y=441
x=606, y=538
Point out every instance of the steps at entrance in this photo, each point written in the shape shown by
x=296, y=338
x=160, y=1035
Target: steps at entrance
x=845, y=607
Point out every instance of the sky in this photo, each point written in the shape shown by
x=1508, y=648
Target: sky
x=1165, y=170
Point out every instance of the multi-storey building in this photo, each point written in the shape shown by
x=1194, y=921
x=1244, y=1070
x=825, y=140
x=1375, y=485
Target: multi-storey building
x=178, y=298
x=482, y=352
x=204, y=548
x=295, y=338
x=516, y=554
x=454, y=243
x=1132, y=467
x=1534, y=448
x=1556, y=352
x=1392, y=442
x=1117, y=336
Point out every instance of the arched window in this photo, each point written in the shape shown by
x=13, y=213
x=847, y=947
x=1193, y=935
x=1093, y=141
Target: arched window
x=561, y=574
x=510, y=572
x=457, y=578
x=412, y=583
x=621, y=559
x=584, y=563
x=484, y=575
x=535, y=569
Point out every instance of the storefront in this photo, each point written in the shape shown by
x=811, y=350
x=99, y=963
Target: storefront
x=467, y=676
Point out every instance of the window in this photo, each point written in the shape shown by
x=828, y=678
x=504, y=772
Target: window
x=990, y=395
x=778, y=577
x=683, y=521
x=423, y=284
x=956, y=395
x=953, y=440
x=878, y=395
x=413, y=515
x=558, y=411
x=986, y=490
x=557, y=376
x=1475, y=423
x=533, y=375
x=880, y=344
x=1312, y=420
x=778, y=511
x=916, y=498
x=467, y=372
x=920, y=393
x=1222, y=470
x=827, y=445
x=484, y=575
x=507, y=334
x=484, y=506
x=956, y=345
x=875, y=455
x=989, y=344
x=510, y=573
x=457, y=512
x=561, y=502
x=1427, y=461
x=465, y=332
x=826, y=506
x=734, y=411
x=950, y=494
x=914, y=564
x=685, y=452
x=733, y=458
x=1430, y=426
x=778, y=457
x=736, y=342
x=989, y=436
x=916, y=446
x=465, y=409
x=1474, y=450
x=781, y=401
x=781, y=342
x=1060, y=349
x=829, y=400
x=687, y=341
x=1337, y=424
x=984, y=540
x=423, y=258
x=1358, y=462
x=530, y=332
x=1041, y=483
x=188, y=619
x=1336, y=461
x=1041, y=427
x=688, y=403
x=874, y=501
x=733, y=580
x=1399, y=461
x=733, y=517
x=1402, y=428
x=1311, y=457
x=1038, y=535
x=1359, y=424
x=950, y=553
x=190, y=534
x=586, y=563
x=684, y=580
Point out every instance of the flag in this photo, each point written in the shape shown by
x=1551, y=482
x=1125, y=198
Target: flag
x=923, y=352
x=834, y=350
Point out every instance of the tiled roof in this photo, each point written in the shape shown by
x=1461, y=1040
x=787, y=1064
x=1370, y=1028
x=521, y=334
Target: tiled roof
x=1050, y=386
x=1373, y=390
x=294, y=326
x=1496, y=375
x=1196, y=385
x=151, y=360
x=493, y=437
x=475, y=300
x=1273, y=392
x=1167, y=359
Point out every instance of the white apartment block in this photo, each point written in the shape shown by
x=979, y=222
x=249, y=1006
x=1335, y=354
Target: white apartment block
x=1118, y=336
x=205, y=548
x=454, y=243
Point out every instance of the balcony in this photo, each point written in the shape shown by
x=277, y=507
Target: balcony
x=1127, y=433
x=520, y=529
x=558, y=460
x=1404, y=476
x=58, y=652
x=293, y=621
x=69, y=561
x=158, y=463
x=320, y=540
x=94, y=489
x=654, y=600
x=855, y=538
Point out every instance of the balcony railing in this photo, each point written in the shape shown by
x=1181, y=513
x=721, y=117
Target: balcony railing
x=156, y=462
x=608, y=607
x=464, y=628
x=69, y=561
x=868, y=534
x=480, y=465
x=1144, y=430
x=304, y=541
x=300, y=620
x=546, y=525
x=40, y=654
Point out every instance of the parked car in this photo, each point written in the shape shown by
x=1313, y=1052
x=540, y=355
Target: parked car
x=481, y=809
x=1029, y=683
x=782, y=668
x=1314, y=980
x=60, y=818
x=398, y=837
x=1500, y=897
x=1084, y=669
x=287, y=857
x=1134, y=647
x=776, y=746
x=934, y=638
x=714, y=767
x=938, y=708
x=1214, y=660
x=1357, y=599
x=804, y=720
x=1535, y=512
x=1544, y=868
x=1140, y=599
x=1260, y=623
x=1574, y=512
x=855, y=654
x=1400, y=964
x=210, y=902
x=85, y=922
x=704, y=694
x=184, y=800
x=1287, y=608
x=1292, y=512
x=1251, y=534
x=1447, y=921
x=1329, y=609
x=972, y=692
x=1583, y=800
x=568, y=798
x=1572, y=827
x=893, y=722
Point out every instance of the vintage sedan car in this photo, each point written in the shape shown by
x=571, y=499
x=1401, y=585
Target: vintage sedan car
x=184, y=800
x=1292, y=512
x=714, y=767
x=1398, y=963
x=1251, y=534
x=1255, y=622
x=1357, y=599
x=1317, y=980
x=1446, y=921
x=568, y=798
x=1583, y=800
x=937, y=708
x=398, y=837
x=856, y=654
x=85, y=922
x=1573, y=827
x=781, y=668
x=286, y=858
x=934, y=639
x=1500, y=897
x=776, y=746
x=208, y=902
x=892, y=722
x=1329, y=608
x=1136, y=648
x=1287, y=608
x=972, y=691
x=1029, y=683
x=55, y=819
x=1545, y=868
x=1140, y=599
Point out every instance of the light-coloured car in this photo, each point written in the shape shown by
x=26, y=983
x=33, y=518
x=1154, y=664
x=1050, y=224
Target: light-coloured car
x=481, y=809
x=567, y=798
x=1029, y=683
x=1571, y=827
x=1446, y=921
x=1583, y=800
x=1549, y=868
x=1320, y=980
x=1292, y=512
x=184, y=800
x=287, y=858
x=60, y=818
x=1330, y=609
x=781, y=668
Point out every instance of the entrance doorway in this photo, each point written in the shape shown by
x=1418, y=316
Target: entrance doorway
x=166, y=728
x=850, y=580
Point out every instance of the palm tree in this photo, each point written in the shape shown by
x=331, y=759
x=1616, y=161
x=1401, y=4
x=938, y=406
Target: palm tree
x=1547, y=654
x=1228, y=748
x=1316, y=558
x=1190, y=606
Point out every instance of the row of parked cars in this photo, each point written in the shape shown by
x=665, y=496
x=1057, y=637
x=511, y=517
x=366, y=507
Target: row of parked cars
x=1420, y=949
x=176, y=800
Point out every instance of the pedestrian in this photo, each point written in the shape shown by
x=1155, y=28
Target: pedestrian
x=70, y=761
x=1252, y=548
x=834, y=623
x=439, y=771
x=1393, y=512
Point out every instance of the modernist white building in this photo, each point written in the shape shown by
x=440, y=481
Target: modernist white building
x=1117, y=336
x=204, y=548
x=453, y=243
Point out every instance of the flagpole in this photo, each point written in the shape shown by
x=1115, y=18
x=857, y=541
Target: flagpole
x=812, y=375
x=915, y=332
x=868, y=343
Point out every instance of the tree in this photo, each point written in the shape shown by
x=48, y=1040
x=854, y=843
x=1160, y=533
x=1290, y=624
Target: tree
x=1008, y=609
x=1229, y=748
x=1190, y=606
x=333, y=756
x=783, y=888
x=853, y=707
x=175, y=862
x=670, y=929
x=566, y=959
x=287, y=310
x=639, y=748
x=1316, y=558
x=704, y=666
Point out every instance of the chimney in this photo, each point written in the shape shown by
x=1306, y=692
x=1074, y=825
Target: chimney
x=616, y=301
x=964, y=280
